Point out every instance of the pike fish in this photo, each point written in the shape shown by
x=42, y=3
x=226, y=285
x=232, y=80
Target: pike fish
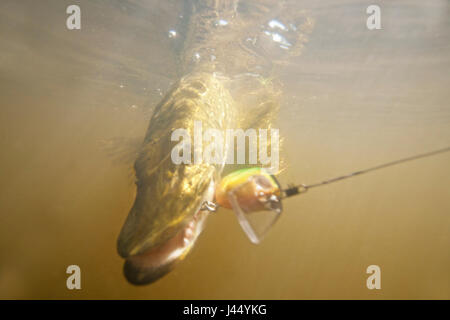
x=166, y=217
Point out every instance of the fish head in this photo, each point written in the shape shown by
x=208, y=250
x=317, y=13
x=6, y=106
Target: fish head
x=165, y=219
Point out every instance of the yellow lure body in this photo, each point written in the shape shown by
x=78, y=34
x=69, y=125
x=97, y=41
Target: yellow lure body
x=248, y=192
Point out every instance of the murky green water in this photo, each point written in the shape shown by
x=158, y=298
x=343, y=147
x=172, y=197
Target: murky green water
x=353, y=99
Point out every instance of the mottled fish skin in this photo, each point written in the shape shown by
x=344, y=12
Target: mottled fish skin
x=169, y=195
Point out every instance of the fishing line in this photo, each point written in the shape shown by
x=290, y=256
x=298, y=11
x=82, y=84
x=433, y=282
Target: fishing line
x=252, y=191
x=302, y=188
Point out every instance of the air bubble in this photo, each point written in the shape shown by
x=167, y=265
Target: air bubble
x=221, y=23
x=274, y=24
x=172, y=33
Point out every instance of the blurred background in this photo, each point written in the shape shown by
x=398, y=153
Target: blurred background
x=354, y=98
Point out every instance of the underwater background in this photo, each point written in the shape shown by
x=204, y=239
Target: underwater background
x=74, y=102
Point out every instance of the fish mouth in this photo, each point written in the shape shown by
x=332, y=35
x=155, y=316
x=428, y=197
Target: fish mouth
x=152, y=264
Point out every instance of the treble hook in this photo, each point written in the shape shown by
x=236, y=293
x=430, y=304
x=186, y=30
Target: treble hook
x=210, y=206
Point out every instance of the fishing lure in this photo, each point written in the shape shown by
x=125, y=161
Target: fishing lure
x=256, y=196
